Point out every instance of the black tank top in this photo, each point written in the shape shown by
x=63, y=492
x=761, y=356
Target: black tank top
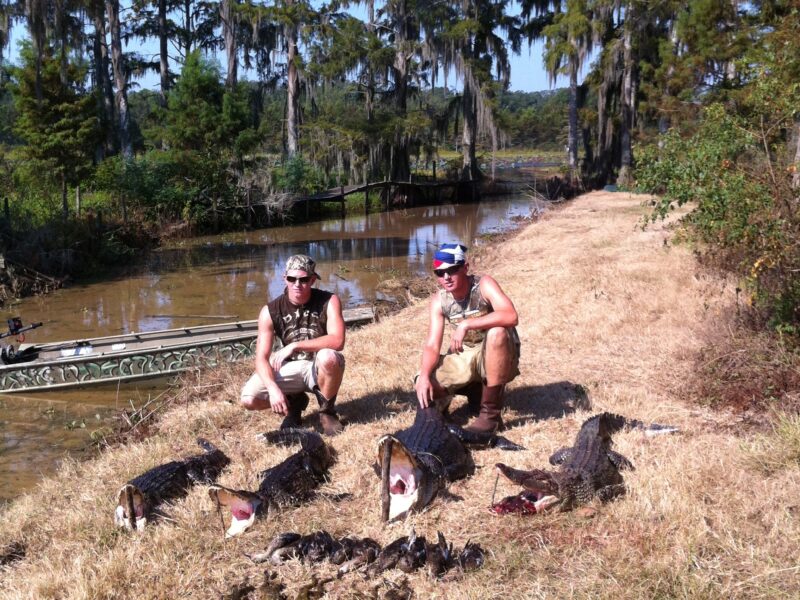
x=306, y=322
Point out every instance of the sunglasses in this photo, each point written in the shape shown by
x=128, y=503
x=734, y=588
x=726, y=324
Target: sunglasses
x=301, y=280
x=448, y=271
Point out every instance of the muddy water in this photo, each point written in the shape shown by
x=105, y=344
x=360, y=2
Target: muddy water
x=207, y=280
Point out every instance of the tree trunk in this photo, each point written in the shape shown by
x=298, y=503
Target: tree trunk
x=627, y=107
x=64, y=205
x=796, y=170
x=186, y=39
x=120, y=78
x=292, y=89
x=163, y=50
x=572, y=137
x=400, y=166
x=229, y=35
x=102, y=81
x=470, y=169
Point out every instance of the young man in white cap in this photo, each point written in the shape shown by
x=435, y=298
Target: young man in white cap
x=310, y=326
x=484, y=345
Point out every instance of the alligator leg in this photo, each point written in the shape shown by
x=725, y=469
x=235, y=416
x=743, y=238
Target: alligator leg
x=609, y=492
x=620, y=461
x=533, y=480
x=560, y=456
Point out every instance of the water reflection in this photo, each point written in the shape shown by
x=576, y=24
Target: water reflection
x=215, y=279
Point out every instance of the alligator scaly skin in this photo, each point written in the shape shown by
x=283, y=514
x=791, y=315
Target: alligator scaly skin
x=436, y=447
x=172, y=480
x=296, y=478
x=587, y=470
x=590, y=468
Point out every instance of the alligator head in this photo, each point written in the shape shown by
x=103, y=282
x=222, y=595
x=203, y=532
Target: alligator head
x=244, y=507
x=131, y=501
x=542, y=491
x=410, y=482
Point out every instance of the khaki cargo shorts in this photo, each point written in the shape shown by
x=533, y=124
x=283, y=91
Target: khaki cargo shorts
x=455, y=371
x=295, y=376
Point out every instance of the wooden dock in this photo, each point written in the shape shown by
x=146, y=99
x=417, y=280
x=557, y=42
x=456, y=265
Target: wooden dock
x=392, y=193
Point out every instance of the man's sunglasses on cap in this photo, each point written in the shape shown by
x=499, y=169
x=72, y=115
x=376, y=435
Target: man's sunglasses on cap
x=448, y=271
x=302, y=280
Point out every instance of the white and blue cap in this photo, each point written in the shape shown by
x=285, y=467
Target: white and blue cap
x=450, y=255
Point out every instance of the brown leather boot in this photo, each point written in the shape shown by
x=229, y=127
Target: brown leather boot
x=331, y=425
x=297, y=404
x=489, y=419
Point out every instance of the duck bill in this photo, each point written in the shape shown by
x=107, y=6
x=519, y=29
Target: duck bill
x=131, y=501
x=242, y=504
x=401, y=478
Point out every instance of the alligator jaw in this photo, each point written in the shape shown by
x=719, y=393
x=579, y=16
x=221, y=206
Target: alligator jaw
x=405, y=477
x=131, y=499
x=524, y=503
x=540, y=494
x=243, y=506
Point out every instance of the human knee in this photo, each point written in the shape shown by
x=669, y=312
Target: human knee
x=497, y=338
x=329, y=361
x=248, y=401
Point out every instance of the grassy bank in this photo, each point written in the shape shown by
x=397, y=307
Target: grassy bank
x=611, y=318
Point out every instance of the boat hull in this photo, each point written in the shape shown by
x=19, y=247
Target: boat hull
x=136, y=356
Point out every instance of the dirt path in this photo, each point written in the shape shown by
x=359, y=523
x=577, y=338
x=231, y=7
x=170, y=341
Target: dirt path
x=610, y=318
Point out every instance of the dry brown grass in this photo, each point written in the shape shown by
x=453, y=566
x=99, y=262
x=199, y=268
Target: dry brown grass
x=609, y=314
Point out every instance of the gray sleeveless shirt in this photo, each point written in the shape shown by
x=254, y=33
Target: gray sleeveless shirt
x=472, y=306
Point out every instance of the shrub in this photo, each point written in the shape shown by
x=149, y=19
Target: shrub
x=735, y=170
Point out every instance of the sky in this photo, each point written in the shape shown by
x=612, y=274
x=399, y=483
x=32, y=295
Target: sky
x=527, y=70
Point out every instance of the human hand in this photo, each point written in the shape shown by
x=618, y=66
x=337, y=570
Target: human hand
x=424, y=389
x=279, y=357
x=457, y=339
x=277, y=401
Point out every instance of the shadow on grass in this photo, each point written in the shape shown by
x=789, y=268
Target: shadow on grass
x=533, y=403
x=374, y=407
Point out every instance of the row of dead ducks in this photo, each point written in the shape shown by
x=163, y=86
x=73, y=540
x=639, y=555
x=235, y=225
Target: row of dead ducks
x=407, y=553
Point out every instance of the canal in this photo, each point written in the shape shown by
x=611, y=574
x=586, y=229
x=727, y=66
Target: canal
x=211, y=280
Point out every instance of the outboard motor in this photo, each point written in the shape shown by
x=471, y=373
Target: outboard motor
x=7, y=354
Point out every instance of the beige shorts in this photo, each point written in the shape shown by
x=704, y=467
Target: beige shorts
x=294, y=377
x=454, y=371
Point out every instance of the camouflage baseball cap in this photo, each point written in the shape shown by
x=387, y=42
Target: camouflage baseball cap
x=302, y=262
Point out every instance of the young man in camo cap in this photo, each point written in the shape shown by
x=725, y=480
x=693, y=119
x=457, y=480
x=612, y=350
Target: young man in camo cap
x=310, y=326
x=483, y=355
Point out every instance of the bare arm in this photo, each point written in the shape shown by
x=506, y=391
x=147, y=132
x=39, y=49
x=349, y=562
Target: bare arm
x=503, y=314
x=334, y=339
x=430, y=352
x=266, y=336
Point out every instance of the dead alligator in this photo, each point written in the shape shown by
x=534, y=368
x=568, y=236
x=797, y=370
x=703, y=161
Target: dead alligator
x=587, y=470
x=416, y=463
x=140, y=496
x=288, y=483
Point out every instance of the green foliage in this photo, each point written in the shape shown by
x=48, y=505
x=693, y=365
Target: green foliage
x=744, y=214
x=298, y=176
x=535, y=119
x=203, y=116
x=55, y=117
